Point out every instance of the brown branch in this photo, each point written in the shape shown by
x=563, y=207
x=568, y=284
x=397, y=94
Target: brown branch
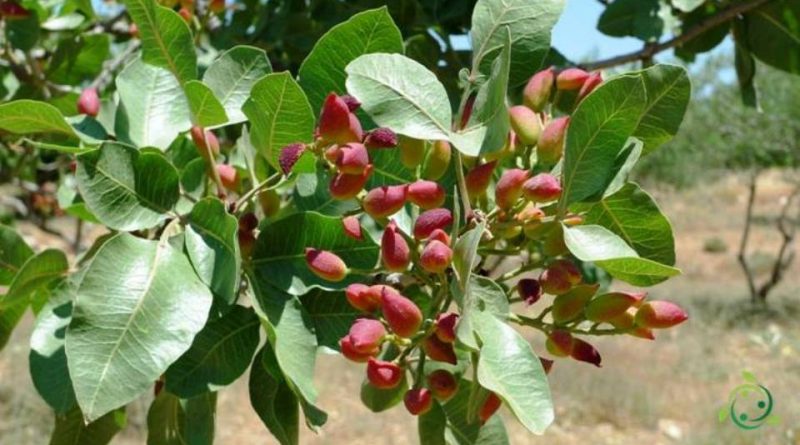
x=742, y=256
x=110, y=67
x=788, y=227
x=651, y=50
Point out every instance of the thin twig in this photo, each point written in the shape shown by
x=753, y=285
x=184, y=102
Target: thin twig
x=787, y=227
x=651, y=50
x=112, y=66
x=264, y=185
x=748, y=221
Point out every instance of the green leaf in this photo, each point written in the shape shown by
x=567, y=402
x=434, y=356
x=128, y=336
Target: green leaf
x=745, y=65
x=638, y=271
x=70, y=428
x=37, y=272
x=633, y=215
x=461, y=430
x=626, y=160
x=279, y=256
x=687, y=5
x=379, y=400
x=635, y=18
x=166, y=39
x=138, y=308
x=47, y=359
x=401, y=94
x=10, y=315
x=465, y=253
x=273, y=399
x=206, y=110
x=482, y=295
x=232, y=75
x=127, y=189
x=773, y=34
x=279, y=115
x=79, y=59
x=31, y=117
x=175, y=421
x=220, y=353
x=330, y=314
x=388, y=169
x=322, y=72
x=529, y=24
x=290, y=331
x=510, y=369
x=23, y=34
x=596, y=243
x=14, y=251
x=706, y=40
x=490, y=109
x=668, y=91
x=213, y=247
x=66, y=22
x=610, y=252
x=432, y=426
x=597, y=133
x=153, y=108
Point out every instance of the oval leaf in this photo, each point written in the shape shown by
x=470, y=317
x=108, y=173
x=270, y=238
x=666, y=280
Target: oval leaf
x=31, y=116
x=279, y=115
x=71, y=429
x=175, y=421
x=37, y=272
x=220, y=353
x=322, y=72
x=279, y=257
x=47, y=359
x=137, y=310
x=232, y=75
x=510, y=369
x=206, y=110
x=153, y=108
x=597, y=133
x=462, y=430
x=166, y=39
x=273, y=400
x=773, y=34
x=401, y=94
x=529, y=23
x=668, y=91
x=633, y=215
x=603, y=247
x=126, y=189
x=14, y=251
x=213, y=247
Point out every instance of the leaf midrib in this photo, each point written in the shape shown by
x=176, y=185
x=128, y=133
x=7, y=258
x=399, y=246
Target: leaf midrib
x=569, y=180
x=401, y=94
x=150, y=278
x=302, y=255
x=157, y=37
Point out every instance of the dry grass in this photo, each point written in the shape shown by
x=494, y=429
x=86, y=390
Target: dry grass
x=661, y=392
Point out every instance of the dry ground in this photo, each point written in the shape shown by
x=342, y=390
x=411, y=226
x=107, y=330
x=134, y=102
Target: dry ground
x=661, y=392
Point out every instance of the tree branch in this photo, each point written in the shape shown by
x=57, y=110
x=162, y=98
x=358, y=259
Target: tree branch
x=651, y=50
x=787, y=227
x=742, y=256
x=105, y=76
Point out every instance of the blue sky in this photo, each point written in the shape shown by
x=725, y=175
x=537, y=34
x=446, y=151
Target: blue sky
x=577, y=37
